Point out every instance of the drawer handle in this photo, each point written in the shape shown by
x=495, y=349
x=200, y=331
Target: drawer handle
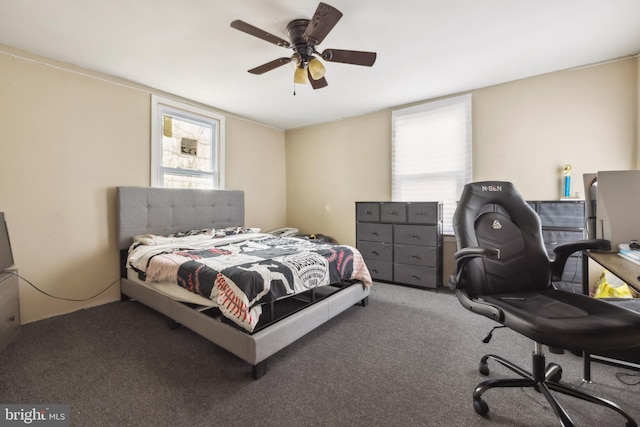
x=375, y=252
x=415, y=236
x=12, y=318
x=422, y=213
x=374, y=270
x=415, y=256
x=415, y=276
x=393, y=212
x=367, y=212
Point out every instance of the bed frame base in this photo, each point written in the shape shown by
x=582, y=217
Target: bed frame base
x=259, y=370
x=253, y=348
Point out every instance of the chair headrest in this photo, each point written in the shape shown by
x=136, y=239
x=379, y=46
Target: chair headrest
x=500, y=195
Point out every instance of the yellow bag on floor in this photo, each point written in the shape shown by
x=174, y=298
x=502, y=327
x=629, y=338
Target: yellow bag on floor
x=606, y=290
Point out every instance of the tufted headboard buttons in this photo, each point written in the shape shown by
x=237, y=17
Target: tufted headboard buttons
x=147, y=210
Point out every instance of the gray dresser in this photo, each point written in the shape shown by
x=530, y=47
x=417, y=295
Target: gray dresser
x=562, y=222
x=9, y=308
x=401, y=242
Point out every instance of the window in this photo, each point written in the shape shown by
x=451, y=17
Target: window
x=187, y=146
x=431, y=153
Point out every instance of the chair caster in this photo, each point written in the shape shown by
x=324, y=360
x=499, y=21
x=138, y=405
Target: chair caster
x=484, y=367
x=553, y=373
x=480, y=406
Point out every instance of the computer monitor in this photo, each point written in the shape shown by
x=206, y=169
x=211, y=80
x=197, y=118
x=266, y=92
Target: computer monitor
x=590, y=192
x=618, y=207
x=6, y=255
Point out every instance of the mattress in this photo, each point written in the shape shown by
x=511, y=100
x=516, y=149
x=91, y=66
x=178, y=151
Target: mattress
x=171, y=290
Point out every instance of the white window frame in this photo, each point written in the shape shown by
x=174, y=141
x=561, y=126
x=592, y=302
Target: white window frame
x=161, y=104
x=458, y=170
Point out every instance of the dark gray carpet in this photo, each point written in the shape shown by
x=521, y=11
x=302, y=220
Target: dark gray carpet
x=410, y=358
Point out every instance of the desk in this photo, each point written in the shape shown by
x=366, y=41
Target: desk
x=627, y=271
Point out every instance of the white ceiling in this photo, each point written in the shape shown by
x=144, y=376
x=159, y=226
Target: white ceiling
x=426, y=48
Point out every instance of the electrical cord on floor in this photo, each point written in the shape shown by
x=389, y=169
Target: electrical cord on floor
x=63, y=298
x=623, y=378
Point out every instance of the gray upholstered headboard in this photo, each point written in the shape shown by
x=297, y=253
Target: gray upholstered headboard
x=143, y=210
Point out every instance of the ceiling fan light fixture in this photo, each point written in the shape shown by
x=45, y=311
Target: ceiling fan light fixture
x=304, y=36
x=316, y=69
x=300, y=76
x=295, y=61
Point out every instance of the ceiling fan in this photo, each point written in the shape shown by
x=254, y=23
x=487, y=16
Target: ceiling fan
x=304, y=36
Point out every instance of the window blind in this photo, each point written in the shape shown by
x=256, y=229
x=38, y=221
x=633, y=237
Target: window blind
x=431, y=153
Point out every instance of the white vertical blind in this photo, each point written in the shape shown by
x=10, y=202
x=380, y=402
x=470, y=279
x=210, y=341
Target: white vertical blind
x=431, y=153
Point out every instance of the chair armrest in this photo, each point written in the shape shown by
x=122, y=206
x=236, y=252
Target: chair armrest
x=480, y=307
x=462, y=258
x=564, y=250
x=472, y=252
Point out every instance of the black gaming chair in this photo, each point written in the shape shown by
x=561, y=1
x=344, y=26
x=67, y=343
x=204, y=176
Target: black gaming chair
x=503, y=272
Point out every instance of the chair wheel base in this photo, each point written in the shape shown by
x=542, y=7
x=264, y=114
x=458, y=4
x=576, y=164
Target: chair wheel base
x=545, y=379
x=484, y=368
x=480, y=406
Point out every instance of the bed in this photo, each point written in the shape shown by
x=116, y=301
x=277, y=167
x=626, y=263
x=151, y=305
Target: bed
x=159, y=216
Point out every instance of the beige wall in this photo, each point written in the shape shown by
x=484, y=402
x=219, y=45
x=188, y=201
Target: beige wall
x=69, y=138
x=332, y=165
x=526, y=130
x=523, y=132
x=256, y=164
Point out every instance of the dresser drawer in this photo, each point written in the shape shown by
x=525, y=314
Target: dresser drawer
x=380, y=270
x=368, y=212
x=373, y=232
x=394, y=212
x=376, y=251
x=561, y=214
x=9, y=309
x=424, y=212
x=425, y=277
x=416, y=255
x=553, y=238
x=426, y=235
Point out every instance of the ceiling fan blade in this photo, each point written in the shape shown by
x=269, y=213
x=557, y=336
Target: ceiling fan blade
x=323, y=20
x=354, y=57
x=257, y=32
x=261, y=69
x=317, y=84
